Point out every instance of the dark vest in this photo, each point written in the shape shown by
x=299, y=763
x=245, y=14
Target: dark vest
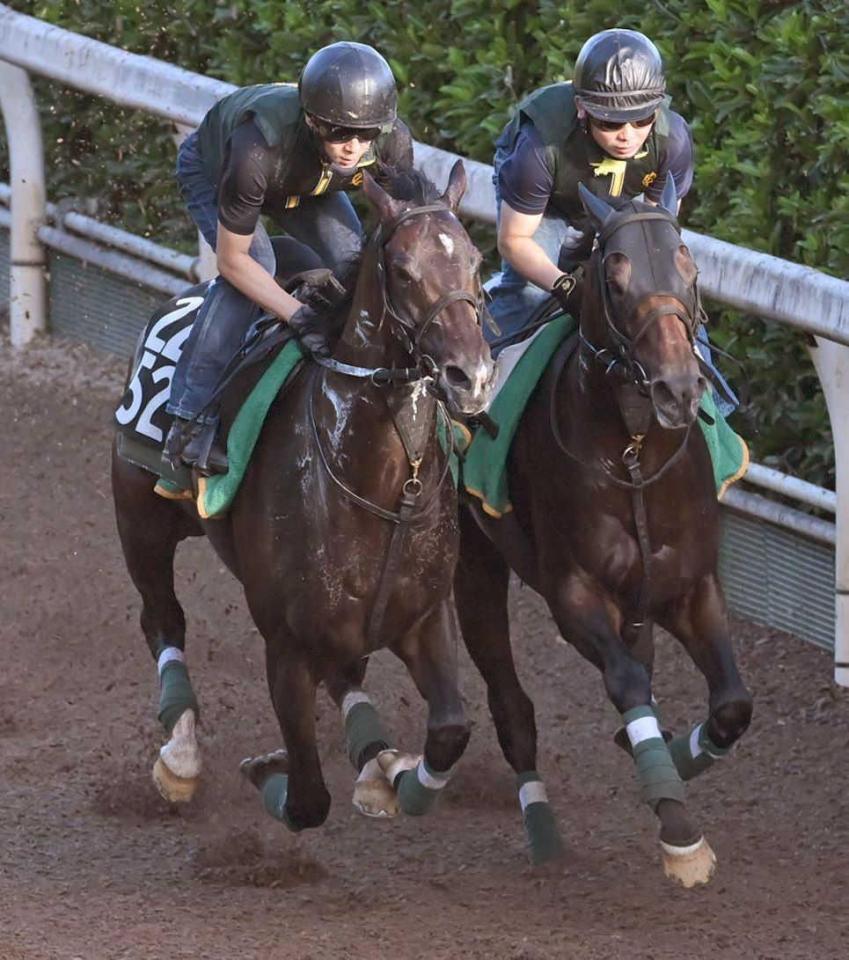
x=276, y=110
x=573, y=157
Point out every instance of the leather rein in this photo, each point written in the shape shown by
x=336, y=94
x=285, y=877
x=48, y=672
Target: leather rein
x=635, y=408
x=414, y=439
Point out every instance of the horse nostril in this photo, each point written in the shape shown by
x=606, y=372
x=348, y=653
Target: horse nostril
x=455, y=377
x=662, y=395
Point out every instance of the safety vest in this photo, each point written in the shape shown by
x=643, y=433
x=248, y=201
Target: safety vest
x=573, y=157
x=276, y=110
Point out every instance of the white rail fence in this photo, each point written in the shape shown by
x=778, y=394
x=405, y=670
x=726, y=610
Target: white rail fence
x=753, y=282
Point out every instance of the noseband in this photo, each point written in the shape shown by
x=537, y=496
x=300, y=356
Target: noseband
x=620, y=358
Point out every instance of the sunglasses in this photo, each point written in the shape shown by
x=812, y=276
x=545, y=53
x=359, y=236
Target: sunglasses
x=610, y=126
x=332, y=134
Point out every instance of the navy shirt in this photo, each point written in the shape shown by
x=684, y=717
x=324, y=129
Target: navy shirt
x=525, y=182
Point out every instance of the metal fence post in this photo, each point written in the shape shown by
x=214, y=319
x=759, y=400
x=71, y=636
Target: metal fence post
x=28, y=295
x=832, y=364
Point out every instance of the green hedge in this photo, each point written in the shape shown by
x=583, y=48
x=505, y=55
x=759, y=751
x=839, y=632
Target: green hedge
x=763, y=82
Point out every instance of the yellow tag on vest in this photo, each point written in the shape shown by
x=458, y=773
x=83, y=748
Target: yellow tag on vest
x=616, y=170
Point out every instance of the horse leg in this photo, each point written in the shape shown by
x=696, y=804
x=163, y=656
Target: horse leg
x=150, y=528
x=430, y=656
x=291, y=783
x=700, y=622
x=365, y=738
x=593, y=624
x=481, y=587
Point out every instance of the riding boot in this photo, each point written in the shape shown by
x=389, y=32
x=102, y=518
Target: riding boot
x=195, y=444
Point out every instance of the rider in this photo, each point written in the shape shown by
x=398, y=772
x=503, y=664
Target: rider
x=611, y=129
x=290, y=153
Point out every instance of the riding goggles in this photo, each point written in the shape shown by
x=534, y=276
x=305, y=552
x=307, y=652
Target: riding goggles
x=333, y=134
x=612, y=126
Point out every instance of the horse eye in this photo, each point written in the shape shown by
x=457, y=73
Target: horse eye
x=403, y=275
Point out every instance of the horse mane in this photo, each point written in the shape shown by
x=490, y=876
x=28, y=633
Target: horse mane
x=411, y=185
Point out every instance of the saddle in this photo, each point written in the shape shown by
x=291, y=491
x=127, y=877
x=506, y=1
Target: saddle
x=141, y=417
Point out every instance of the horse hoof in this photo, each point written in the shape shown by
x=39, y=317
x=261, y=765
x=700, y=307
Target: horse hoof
x=690, y=866
x=172, y=788
x=176, y=772
x=259, y=769
x=373, y=793
x=393, y=763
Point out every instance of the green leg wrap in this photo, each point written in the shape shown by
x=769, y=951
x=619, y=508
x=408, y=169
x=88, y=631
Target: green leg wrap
x=695, y=752
x=416, y=797
x=656, y=773
x=540, y=826
x=274, y=792
x=175, y=695
x=363, y=729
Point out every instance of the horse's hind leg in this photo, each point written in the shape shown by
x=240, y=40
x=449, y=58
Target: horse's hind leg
x=150, y=529
x=430, y=654
x=481, y=586
x=700, y=622
x=292, y=785
x=365, y=738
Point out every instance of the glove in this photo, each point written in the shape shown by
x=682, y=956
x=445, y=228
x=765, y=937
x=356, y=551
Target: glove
x=318, y=288
x=562, y=289
x=311, y=329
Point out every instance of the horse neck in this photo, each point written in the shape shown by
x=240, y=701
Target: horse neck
x=367, y=339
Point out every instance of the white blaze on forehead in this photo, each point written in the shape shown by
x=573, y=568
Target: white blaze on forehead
x=447, y=242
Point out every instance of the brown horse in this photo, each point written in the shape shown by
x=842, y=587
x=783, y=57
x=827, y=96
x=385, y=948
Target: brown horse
x=616, y=524
x=344, y=533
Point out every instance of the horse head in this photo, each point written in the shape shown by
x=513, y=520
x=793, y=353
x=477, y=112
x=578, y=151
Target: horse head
x=432, y=295
x=642, y=307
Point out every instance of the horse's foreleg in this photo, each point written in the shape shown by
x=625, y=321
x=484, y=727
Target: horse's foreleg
x=150, y=529
x=291, y=783
x=431, y=657
x=365, y=738
x=593, y=623
x=700, y=622
x=481, y=586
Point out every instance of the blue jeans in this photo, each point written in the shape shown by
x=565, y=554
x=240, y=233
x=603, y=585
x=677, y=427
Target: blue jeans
x=328, y=224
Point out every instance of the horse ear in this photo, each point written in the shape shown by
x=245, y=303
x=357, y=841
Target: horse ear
x=387, y=208
x=669, y=197
x=456, y=186
x=599, y=210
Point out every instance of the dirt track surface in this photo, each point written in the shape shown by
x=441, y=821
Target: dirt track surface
x=94, y=865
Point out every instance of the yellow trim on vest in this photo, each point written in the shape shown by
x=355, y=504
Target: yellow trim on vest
x=616, y=169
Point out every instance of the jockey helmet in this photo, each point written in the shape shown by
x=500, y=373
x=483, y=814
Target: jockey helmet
x=619, y=76
x=349, y=85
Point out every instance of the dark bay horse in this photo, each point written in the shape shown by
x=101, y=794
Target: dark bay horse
x=616, y=524
x=344, y=533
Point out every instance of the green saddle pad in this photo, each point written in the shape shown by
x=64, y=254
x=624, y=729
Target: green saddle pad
x=484, y=470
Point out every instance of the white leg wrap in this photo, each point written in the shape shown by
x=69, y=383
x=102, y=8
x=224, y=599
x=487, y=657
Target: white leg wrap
x=532, y=792
x=351, y=700
x=695, y=747
x=644, y=728
x=432, y=781
x=169, y=655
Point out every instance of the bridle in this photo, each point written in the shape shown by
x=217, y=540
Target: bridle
x=619, y=359
x=409, y=333
x=412, y=435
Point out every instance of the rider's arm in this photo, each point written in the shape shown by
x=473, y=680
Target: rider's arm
x=525, y=184
x=241, y=195
x=237, y=265
x=521, y=251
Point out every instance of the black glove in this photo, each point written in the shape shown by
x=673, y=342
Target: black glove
x=562, y=289
x=311, y=329
x=318, y=288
